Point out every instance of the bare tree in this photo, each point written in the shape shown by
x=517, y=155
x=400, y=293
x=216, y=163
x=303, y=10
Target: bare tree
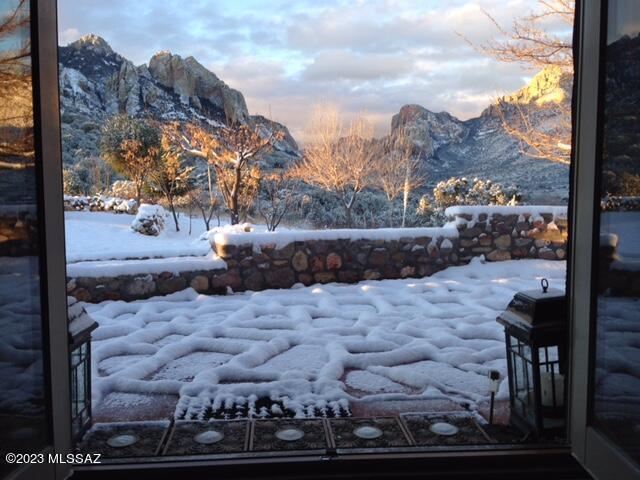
x=16, y=104
x=99, y=174
x=233, y=153
x=279, y=190
x=530, y=42
x=398, y=171
x=338, y=159
x=206, y=203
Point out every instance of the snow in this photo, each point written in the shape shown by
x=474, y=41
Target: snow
x=79, y=319
x=108, y=236
x=21, y=370
x=309, y=348
x=114, y=268
x=617, y=377
x=282, y=238
x=533, y=210
x=149, y=220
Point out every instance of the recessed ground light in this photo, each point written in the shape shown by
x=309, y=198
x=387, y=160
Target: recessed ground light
x=208, y=437
x=368, y=432
x=121, y=441
x=443, y=428
x=289, y=434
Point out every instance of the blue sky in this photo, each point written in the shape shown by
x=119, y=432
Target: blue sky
x=364, y=55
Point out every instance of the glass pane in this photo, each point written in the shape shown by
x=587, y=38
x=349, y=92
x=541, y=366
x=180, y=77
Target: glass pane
x=616, y=405
x=23, y=413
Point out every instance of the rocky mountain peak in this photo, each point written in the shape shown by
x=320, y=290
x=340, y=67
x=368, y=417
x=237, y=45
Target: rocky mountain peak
x=428, y=130
x=97, y=83
x=92, y=42
x=551, y=84
x=196, y=85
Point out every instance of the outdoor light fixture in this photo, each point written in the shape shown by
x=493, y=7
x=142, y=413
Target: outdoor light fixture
x=494, y=378
x=80, y=327
x=536, y=333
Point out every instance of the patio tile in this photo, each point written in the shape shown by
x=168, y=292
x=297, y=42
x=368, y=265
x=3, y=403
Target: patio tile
x=219, y=436
x=148, y=438
x=343, y=433
x=419, y=426
x=265, y=435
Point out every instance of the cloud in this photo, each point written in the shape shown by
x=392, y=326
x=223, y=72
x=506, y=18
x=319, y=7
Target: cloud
x=365, y=55
x=68, y=35
x=341, y=64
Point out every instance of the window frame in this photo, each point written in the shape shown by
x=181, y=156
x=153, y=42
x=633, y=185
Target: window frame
x=430, y=464
x=595, y=452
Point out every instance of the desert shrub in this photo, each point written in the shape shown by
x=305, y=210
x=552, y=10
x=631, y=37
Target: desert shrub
x=460, y=191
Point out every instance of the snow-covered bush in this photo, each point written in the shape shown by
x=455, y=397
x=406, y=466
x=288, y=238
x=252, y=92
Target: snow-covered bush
x=99, y=203
x=460, y=191
x=149, y=220
x=321, y=209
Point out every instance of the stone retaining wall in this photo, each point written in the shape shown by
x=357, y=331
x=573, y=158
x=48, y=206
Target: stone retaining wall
x=262, y=266
x=259, y=261
x=506, y=233
x=137, y=287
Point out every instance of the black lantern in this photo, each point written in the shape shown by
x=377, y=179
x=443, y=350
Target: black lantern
x=536, y=334
x=80, y=327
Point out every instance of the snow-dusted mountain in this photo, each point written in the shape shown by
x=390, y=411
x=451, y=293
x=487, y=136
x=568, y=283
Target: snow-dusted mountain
x=96, y=83
x=480, y=147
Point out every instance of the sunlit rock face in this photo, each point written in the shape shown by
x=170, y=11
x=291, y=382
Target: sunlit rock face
x=194, y=83
x=428, y=130
x=481, y=147
x=97, y=83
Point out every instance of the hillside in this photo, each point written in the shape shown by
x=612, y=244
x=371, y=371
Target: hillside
x=480, y=147
x=97, y=82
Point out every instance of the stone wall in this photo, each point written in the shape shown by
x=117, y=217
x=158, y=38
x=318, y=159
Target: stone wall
x=259, y=261
x=137, y=287
x=506, y=233
x=259, y=266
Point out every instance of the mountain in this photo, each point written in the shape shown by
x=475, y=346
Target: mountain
x=97, y=83
x=480, y=147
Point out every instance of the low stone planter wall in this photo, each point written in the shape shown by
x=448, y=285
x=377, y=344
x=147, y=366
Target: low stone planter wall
x=506, y=233
x=259, y=261
x=138, y=287
x=135, y=279
x=262, y=261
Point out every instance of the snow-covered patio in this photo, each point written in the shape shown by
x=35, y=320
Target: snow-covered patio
x=310, y=351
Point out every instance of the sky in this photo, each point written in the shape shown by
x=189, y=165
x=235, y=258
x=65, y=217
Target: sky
x=366, y=56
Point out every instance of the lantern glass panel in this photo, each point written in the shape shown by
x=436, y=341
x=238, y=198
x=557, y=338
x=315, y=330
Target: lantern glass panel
x=551, y=379
x=522, y=367
x=80, y=398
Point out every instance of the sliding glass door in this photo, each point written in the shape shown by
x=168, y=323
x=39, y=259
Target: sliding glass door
x=32, y=326
x=606, y=390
